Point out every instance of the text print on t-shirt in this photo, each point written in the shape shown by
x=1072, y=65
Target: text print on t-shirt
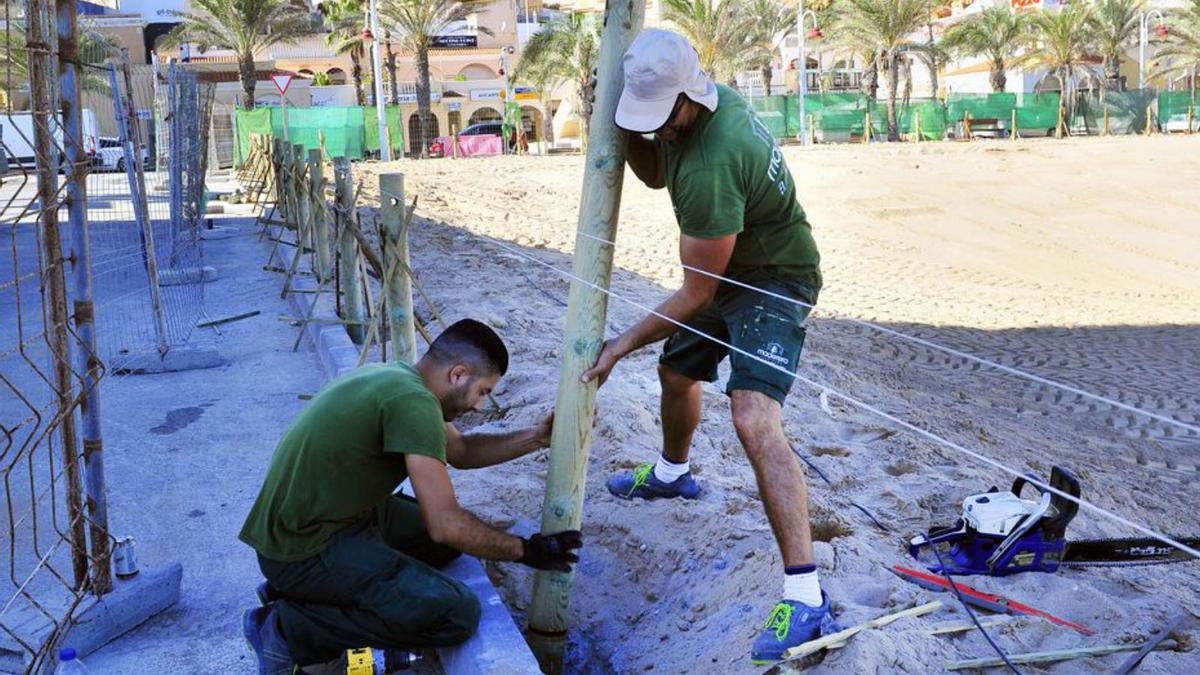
x=777, y=172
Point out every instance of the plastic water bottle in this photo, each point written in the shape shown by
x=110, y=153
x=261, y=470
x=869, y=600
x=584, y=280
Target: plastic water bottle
x=69, y=664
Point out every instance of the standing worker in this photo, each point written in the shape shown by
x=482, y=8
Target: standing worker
x=735, y=202
x=348, y=563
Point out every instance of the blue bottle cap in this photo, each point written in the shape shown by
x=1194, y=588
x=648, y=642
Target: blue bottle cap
x=67, y=654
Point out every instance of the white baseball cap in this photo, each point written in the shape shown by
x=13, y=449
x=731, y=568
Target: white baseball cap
x=659, y=66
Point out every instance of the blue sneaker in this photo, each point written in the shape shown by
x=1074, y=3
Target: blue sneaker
x=260, y=627
x=791, y=624
x=642, y=484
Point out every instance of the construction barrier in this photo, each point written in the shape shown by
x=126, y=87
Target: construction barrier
x=1124, y=110
x=1038, y=112
x=349, y=131
x=1177, y=111
x=995, y=106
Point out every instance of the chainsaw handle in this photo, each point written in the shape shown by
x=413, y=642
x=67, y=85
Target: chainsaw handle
x=1021, y=481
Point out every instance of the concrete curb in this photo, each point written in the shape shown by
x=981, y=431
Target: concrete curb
x=132, y=602
x=498, y=647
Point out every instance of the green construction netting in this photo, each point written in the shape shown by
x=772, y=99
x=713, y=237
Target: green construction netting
x=774, y=113
x=250, y=123
x=1126, y=112
x=995, y=106
x=342, y=126
x=1038, y=111
x=395, y=126
x=1173, y=107
x=930, y=113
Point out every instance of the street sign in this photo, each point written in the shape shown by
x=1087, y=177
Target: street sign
x=282, y=82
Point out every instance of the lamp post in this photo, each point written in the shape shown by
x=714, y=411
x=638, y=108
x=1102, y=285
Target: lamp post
x=802, y=64
x=385, y=143
x=1144, y=37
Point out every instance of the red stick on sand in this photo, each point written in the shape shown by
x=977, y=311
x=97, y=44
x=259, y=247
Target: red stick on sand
x=995, y=603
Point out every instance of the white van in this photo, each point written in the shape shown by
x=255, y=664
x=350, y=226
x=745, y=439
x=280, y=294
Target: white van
x=16, y=137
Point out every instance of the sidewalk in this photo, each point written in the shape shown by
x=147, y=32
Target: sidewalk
x=186, y=453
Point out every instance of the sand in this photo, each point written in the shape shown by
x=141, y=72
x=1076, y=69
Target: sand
x=1073, y=260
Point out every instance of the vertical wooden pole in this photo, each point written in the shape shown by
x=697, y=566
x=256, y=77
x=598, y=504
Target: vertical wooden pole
x=917, y=127
x=397, y=287
x=316, y=195
x=1104, y=131
x=348, y=254
x=1149, y=120
x=587, y=310
x=1015, y=133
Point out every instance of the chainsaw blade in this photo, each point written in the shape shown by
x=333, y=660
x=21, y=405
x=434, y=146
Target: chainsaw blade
x=1124, y=552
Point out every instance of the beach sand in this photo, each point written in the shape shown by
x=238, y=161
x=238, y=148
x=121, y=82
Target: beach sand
x=1071, y=260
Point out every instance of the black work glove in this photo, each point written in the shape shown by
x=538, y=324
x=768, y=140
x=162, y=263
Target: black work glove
x=551, y=552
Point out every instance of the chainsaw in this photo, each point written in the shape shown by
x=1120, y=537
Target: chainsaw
x=1001, y=533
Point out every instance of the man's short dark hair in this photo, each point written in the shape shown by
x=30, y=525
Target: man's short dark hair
x=471, y=342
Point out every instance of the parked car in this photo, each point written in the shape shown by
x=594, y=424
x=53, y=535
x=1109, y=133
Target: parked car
x=110, y=155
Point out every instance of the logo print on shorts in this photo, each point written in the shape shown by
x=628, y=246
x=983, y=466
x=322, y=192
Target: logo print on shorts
x=773, y=352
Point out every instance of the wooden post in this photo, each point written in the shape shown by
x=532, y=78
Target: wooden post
x=1191, y=118
x=396, y=285
x=812, y=130
x=867, y=127
x=352, y=292
x=587, y=311
x=1015, y=133
x=967, y=126
x=1149, y=120
x=1104, y=130
x=316, y=206
x=917, y=126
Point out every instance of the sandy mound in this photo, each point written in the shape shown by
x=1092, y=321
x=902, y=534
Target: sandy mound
x=1072, y=260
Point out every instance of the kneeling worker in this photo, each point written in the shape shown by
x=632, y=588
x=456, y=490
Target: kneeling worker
x=348, y=563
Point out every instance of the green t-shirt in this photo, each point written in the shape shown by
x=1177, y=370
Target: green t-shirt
x=342, y=457
x=728, y=177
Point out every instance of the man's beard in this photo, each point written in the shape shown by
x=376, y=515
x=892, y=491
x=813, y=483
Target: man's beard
x=457, y=403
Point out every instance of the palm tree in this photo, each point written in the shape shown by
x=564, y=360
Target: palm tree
x=564, y=51
x=719, y=30
x=996, y=34
x=1061, y=45
x=244, y=26
x=1115, y=26
x=888, y=28
x=345, y=20
x=772, y=19
x=1179, y=53
x=413, y=24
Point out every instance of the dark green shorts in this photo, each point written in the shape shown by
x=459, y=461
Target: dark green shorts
x=770, y=328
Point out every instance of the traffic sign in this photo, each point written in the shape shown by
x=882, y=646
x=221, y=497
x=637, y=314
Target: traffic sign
x=281, y=82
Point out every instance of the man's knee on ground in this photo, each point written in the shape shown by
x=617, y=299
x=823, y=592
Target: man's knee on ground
x=462, y=619
x=673, y=381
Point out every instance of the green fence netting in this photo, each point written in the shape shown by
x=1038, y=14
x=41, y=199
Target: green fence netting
x=250, y=123
x=343, y=127
x=773, y=111
x=395, y=129
x=994, y=106
x=929, y=113
x=1173, y=107
x=1038, y=111
x=1126, y=112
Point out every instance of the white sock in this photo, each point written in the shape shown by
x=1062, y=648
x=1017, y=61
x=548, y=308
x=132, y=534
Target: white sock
x=668, y=471
x=803, y=586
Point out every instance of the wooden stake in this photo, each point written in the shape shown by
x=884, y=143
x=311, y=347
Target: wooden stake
x=968, y=625
x=838, y=639
x=1051, y=657
x=587, y=311
x=1104, y=131
x=967, y=126
x=1015, y=133
x=397, y=287
x=348, y=255
x=320, y=232
x=1149, y=120
x=917, y=126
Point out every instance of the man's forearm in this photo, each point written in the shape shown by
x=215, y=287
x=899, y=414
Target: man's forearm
x=642, y=156
x=482, y=449
x=464, y=532
x=680, y=307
